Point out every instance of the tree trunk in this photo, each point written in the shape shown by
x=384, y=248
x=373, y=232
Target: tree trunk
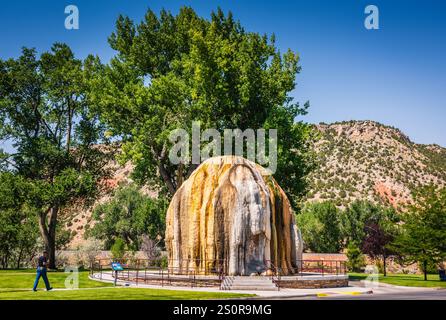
x=167, y=179
x=69, y=125
x=425, y=270
x=192, y=167
x=19, y=258
x=180, y=175
x=384, y=265
x=49, y=234
x=5, y=261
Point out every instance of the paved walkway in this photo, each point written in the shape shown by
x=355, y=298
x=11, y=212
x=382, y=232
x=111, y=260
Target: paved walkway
x=284, y=292
x=385, y=292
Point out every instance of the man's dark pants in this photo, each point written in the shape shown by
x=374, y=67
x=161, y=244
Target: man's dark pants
x=41, y=272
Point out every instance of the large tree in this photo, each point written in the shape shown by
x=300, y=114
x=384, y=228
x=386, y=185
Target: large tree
x=423, y=236
x=45, y=116
x=172, y=69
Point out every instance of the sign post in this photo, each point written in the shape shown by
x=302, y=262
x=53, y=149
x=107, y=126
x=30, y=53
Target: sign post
x=116, y=266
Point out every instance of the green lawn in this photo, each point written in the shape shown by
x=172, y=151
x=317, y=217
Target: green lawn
x=24, y=279
x=17, y=284
x=409, y=280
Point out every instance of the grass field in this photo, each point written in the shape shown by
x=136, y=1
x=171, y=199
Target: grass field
x=17, y=284
x=408, y=280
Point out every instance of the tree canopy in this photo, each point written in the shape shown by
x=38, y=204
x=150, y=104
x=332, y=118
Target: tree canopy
x=18, y=232
x=320, y=227
x=360, y=213
x=377, y=241
x=128, y=216
x=325, y=228
x=172, y=69
x=45, y=116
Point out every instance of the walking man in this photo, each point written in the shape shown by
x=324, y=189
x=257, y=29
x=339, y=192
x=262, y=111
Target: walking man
x=41, y=272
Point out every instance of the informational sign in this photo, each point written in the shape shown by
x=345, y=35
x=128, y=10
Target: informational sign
x=116, y=266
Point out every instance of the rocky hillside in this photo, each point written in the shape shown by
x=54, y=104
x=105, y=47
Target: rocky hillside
x=356, y=160
x=367, y=160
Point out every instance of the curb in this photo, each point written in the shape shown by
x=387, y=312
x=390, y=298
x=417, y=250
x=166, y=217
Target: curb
x=388, y=285
x=304, y=295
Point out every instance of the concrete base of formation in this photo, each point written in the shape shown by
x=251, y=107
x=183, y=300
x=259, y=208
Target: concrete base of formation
x=314, y=281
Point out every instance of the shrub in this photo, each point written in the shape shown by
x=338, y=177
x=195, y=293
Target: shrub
x=162, y=262
x=356, y=260
x=118, y=249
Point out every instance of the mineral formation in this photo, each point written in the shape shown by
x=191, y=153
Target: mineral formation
x=231, y=215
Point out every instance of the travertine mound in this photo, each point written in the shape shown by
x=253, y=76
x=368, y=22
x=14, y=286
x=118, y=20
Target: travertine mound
x=230, y=210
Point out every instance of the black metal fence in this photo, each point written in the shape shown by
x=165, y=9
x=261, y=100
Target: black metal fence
x=321, y=267
x=153, y=271
x=191, y=272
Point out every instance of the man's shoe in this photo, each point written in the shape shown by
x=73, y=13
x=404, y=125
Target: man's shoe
x=49, y=289
x=35, y=290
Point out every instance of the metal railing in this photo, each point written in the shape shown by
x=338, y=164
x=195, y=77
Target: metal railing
x=321, y=267
x=275, y=273
x=144, y=270
x=191, y=271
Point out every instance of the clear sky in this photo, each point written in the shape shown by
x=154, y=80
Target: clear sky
x=395, y=75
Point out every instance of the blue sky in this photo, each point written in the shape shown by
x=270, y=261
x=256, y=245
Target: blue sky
x=395, y=75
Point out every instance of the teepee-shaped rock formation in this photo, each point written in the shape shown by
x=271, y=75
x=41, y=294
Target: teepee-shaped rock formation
x=231, y=213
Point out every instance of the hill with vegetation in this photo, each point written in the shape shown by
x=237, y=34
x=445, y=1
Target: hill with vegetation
x=369, y=161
